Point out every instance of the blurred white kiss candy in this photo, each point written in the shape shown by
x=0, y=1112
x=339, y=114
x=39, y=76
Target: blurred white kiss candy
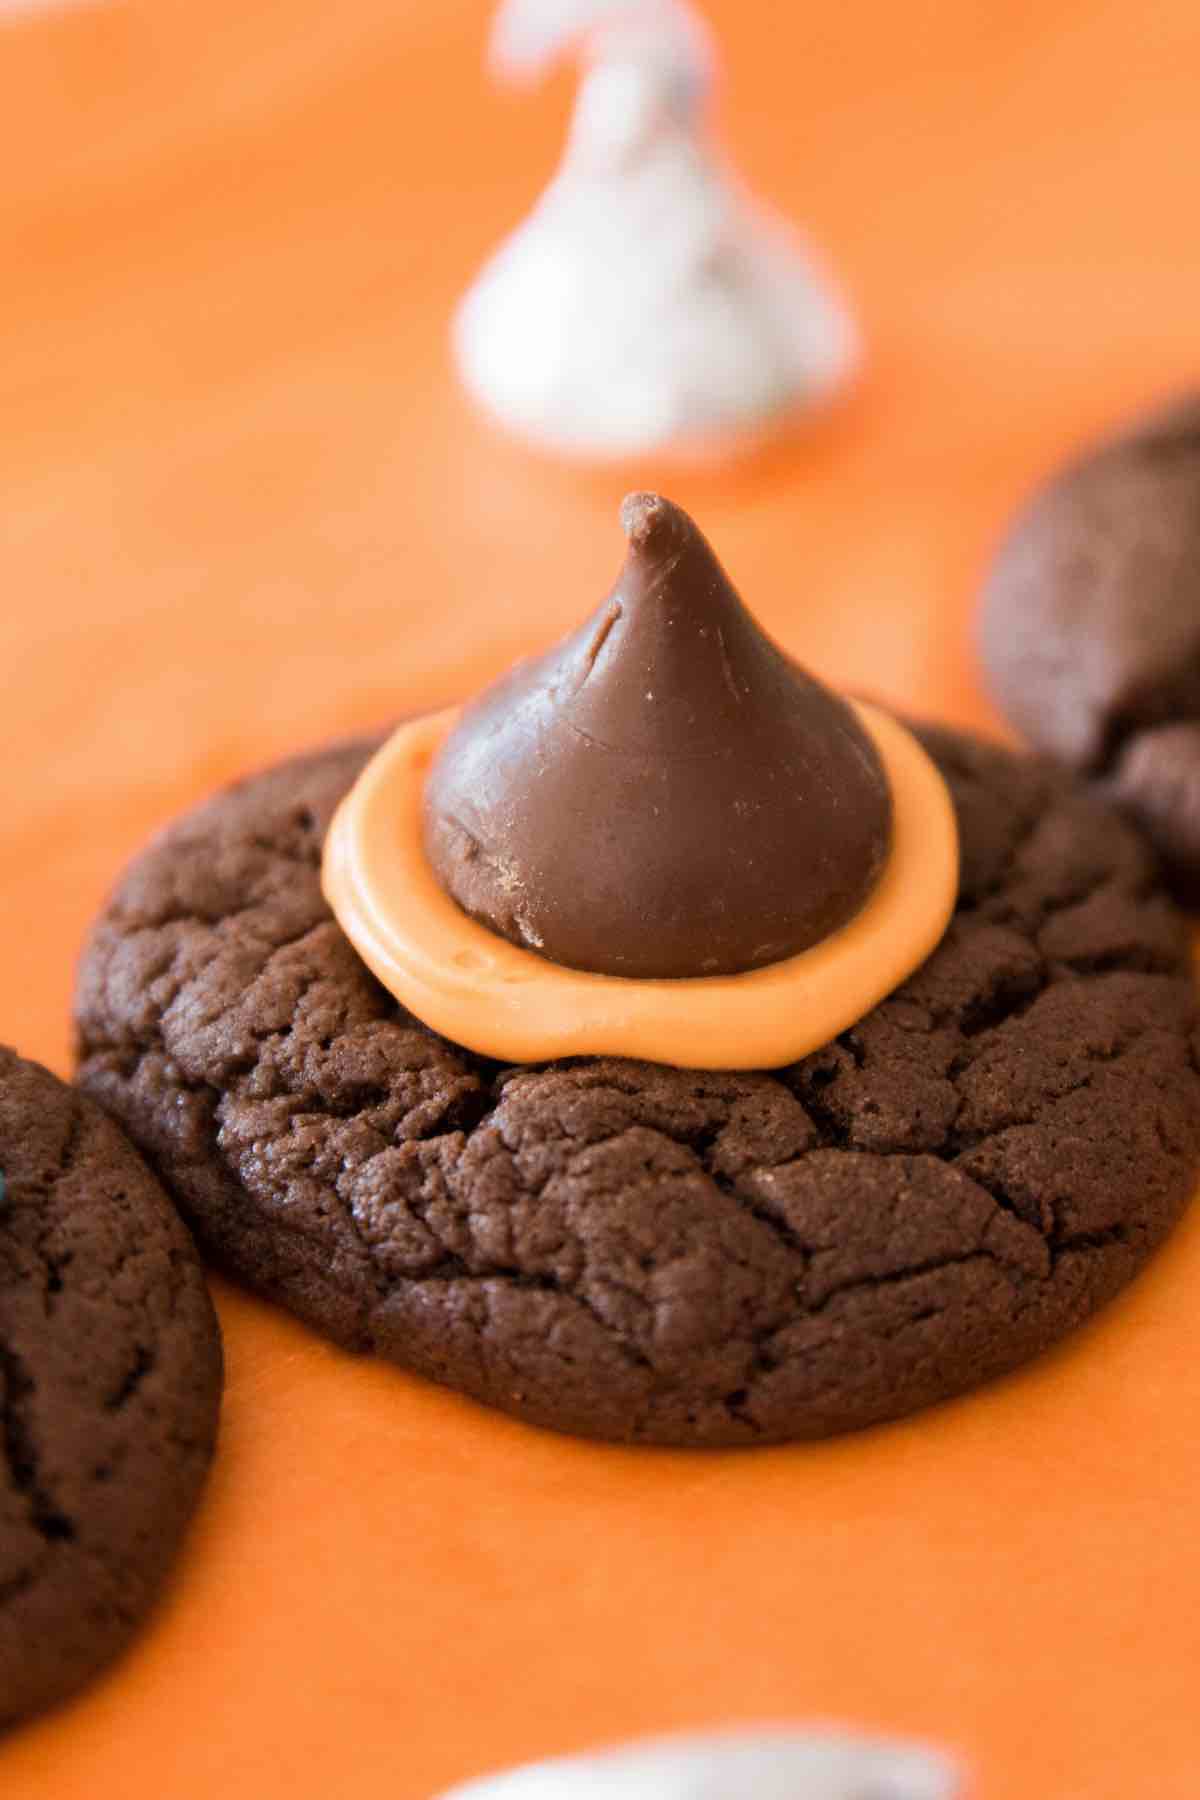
x=647, y=302
x=760, y=1765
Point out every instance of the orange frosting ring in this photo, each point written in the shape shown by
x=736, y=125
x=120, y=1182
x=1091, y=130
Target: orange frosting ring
x=503, y=1002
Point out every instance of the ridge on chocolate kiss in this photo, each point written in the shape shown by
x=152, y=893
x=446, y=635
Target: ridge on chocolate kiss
x=662, y=838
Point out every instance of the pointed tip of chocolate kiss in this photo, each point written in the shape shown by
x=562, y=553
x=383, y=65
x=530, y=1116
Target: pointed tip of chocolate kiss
x=664, y=793
x=671, y=565
x=650, y=522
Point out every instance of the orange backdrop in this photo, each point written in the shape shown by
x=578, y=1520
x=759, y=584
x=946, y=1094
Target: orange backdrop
x=242, y=508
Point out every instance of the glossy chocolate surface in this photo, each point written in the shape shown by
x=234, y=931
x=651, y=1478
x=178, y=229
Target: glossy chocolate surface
x=664, y=793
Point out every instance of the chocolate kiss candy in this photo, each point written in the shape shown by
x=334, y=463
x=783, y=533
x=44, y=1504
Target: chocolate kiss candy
x=664, y=793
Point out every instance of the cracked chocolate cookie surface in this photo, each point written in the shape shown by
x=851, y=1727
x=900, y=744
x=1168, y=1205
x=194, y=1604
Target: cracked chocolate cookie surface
x=110, y=1378
x=636, y=1252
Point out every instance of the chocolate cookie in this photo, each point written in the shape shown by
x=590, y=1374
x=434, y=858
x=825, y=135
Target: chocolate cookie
x=110, y=1378
x=1090, y=626
x=635, y=1252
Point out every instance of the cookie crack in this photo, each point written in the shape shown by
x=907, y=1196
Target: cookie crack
x=755, y=1209
x=14, y=1586
x=1089, y=1243
x=455, y=1270
x=834, y=1133
x=1021, y=840
x=308, y=859
x=897, y=1277
x=67, y=1159
x=143, y=1364
x=21, y=1454
x=960, y=1143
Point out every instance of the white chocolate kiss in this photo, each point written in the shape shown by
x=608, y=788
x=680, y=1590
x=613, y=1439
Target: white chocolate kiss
x=764, y=1764
x=486, y=994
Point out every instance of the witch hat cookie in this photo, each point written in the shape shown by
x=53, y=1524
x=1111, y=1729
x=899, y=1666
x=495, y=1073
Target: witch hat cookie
x=698, y=1209
x=660, y=839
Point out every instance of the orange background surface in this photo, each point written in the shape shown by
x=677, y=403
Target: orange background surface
x=242, y=507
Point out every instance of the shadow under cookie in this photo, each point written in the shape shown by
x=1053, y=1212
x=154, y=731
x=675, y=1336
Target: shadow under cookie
x=635, y=1252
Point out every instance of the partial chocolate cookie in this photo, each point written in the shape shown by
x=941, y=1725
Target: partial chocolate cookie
x=634, y=1252
x=1090, y=626
x=110, y=1379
